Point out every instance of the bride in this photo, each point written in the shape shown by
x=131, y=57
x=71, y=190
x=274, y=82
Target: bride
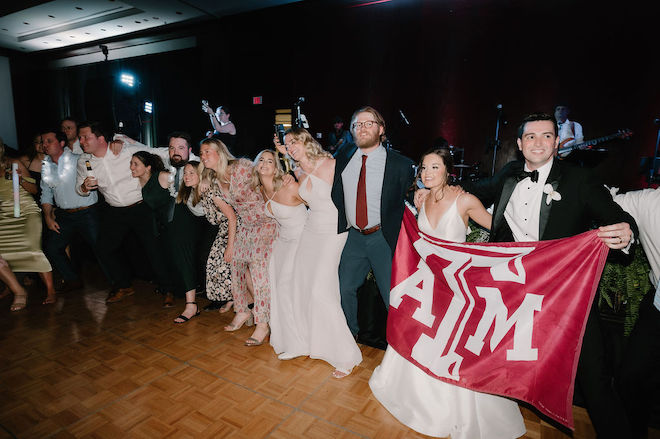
x=421, y=402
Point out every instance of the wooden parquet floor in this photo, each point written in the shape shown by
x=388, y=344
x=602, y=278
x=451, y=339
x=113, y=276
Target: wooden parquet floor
x=80, y=368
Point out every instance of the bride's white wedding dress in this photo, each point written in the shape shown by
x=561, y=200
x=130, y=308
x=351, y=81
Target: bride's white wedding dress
x=431, y=406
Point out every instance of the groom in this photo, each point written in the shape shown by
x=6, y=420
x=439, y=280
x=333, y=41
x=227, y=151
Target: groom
x=542, y=198
x=369, y=188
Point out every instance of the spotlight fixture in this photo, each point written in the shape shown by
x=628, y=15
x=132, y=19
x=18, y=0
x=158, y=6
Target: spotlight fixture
x=148, y=107
x=127, y=79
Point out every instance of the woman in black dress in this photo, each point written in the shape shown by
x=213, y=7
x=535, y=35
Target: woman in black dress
x=190, y=239
x=149, y=170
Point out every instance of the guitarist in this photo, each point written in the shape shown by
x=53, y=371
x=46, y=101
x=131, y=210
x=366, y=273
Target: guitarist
x=570, y=132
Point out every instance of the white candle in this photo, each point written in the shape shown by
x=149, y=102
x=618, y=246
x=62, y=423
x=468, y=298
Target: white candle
x=17, y=199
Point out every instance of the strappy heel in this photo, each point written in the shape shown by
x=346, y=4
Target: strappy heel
x=184, y=318
x=236, y=325
x=253, y=341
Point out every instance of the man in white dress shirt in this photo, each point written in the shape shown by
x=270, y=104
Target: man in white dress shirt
x=125, y=212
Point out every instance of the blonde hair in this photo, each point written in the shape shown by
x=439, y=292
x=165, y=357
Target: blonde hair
x=225, y=158
x=313, y=149
x=186, y=192
x=255, y=181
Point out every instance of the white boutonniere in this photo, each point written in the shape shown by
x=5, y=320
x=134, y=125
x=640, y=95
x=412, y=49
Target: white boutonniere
x=552, y=194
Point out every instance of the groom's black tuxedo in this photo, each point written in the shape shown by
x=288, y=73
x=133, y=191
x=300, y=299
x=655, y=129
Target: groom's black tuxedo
x=585, y=203
x=399, y=176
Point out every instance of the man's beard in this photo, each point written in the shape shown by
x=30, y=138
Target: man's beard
x=368, y=141
x=177, y=161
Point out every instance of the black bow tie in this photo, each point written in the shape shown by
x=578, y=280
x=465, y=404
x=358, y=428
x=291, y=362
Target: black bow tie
x=534, y=175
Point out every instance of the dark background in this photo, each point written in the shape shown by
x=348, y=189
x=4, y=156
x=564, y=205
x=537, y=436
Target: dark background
x=446, y=64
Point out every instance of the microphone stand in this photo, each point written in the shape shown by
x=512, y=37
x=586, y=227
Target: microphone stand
x=496, y=142
x=298, y=122
x=652, y=176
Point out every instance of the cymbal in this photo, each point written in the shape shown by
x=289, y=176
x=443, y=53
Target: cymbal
x=462, y=166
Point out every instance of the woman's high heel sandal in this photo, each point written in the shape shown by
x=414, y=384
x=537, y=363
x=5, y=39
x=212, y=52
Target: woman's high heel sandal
x=253, y=341
x=237, y=323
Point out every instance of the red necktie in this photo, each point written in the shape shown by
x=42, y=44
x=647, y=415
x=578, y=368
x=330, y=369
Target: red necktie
x=361, y=205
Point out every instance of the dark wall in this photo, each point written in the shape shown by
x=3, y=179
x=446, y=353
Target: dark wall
x=446, y=64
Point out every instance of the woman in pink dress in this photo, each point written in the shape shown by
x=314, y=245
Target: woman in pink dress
x=254, y=238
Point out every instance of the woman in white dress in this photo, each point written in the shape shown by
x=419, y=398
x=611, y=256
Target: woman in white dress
x=317, y=304
x=421, y=402
x=285, y=206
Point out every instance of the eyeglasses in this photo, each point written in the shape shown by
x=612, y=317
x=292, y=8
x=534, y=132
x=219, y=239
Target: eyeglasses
x=367, y=124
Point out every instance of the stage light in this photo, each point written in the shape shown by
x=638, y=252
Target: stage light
x=127, y=79
x=148, y=107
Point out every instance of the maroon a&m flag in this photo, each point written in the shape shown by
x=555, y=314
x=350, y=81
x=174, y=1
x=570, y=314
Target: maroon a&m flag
x=500, y=318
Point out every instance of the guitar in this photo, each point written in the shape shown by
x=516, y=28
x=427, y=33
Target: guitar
x=621, y=134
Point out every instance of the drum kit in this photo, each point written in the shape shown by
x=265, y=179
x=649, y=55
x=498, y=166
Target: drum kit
x=463, y=171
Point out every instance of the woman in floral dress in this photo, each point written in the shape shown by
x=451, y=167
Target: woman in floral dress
x=218, y=265
x=254, y=238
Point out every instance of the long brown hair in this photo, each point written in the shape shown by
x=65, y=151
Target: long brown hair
x=186, y=192
x=446, y=157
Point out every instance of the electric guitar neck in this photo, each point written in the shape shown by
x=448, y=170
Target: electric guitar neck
x=621, y=134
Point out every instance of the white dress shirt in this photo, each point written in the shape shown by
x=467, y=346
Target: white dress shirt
x=113, y=174
x=375, y=172
x=76, y=148
x=569, y=129
x=524, y=207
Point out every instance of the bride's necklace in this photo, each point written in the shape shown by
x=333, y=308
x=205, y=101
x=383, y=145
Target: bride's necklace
x=442, y=195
